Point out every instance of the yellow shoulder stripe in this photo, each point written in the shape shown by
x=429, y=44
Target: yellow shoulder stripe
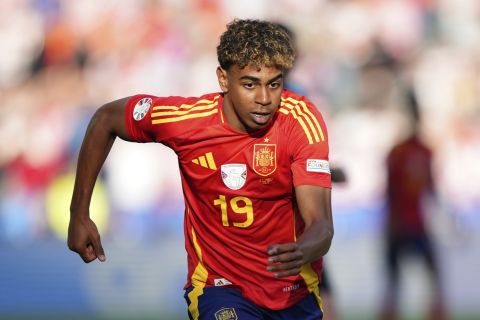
x=185, y=117
x=201, y=108
x=186, y=106
x=182, y=112
x=309, y=123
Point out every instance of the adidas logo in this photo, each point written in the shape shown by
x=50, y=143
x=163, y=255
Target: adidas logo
x=221, y=282
x=206, y=161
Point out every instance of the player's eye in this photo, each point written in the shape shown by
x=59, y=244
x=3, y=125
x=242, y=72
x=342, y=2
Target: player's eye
x=275, y=85
x=249, y=85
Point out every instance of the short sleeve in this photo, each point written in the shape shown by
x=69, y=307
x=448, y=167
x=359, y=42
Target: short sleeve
x=165, y=119
x=308, y=146
x=137, y=118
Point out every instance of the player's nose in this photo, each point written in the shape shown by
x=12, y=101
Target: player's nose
x=263, y=96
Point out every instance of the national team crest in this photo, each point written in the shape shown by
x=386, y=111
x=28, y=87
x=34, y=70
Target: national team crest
x=234, y=175
x=264, y=159
x=226, y=314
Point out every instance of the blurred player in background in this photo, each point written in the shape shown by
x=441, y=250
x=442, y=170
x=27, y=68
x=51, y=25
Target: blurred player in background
x=409, y=181
x=255, y=177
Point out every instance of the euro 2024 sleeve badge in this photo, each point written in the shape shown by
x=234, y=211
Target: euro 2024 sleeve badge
x=141, y=108
x=234, y=175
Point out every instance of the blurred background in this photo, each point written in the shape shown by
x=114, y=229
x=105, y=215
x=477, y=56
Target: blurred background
x=357, y=60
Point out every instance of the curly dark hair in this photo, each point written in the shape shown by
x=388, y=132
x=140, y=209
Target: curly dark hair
x=256, y=42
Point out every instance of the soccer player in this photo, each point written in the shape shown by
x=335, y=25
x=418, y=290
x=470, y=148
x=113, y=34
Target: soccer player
x=255, y=175
x=409, y=181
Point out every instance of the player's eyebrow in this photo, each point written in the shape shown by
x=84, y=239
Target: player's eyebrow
x=278, y=77
x=255, y=79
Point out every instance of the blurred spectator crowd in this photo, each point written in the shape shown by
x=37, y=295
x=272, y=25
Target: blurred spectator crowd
x=60, y=60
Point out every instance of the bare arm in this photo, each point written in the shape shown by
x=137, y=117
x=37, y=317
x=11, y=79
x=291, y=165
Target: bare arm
x=315, y=208
x=107, y=123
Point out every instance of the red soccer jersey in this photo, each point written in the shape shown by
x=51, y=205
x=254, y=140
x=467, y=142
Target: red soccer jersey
x=409, y=179
x=239, y=188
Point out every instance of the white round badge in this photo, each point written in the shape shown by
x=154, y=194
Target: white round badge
x=141, y=108
x=234, y=175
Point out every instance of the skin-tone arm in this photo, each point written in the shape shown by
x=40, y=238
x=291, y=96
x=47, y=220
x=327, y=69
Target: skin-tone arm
x=107, y=123
x=314, y=204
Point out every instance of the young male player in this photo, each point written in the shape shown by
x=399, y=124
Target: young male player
x=255, y=176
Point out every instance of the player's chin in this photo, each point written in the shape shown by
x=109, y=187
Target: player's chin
x=256, y=126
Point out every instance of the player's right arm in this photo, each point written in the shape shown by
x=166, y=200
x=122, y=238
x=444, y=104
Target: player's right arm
x=107, y=123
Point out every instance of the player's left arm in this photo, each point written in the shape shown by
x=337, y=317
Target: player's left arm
x=308, y=149
x=314, y=204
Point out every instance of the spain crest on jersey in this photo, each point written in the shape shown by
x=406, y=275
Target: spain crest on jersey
x=264, y=159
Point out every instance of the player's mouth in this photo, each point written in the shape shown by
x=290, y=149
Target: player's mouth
x=260, y=118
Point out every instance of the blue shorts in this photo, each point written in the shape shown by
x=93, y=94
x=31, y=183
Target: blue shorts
x=224, y=303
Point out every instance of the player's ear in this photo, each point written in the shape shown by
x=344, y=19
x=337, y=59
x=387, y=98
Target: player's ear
x=222, y=79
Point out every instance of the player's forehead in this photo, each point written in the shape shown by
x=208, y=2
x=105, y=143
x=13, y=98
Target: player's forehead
x=250, y=71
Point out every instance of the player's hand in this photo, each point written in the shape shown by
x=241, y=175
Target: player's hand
x=285, y=259
x=84, y=239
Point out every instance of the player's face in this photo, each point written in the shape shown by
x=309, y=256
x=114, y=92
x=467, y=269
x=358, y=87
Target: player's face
x=252, y=95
